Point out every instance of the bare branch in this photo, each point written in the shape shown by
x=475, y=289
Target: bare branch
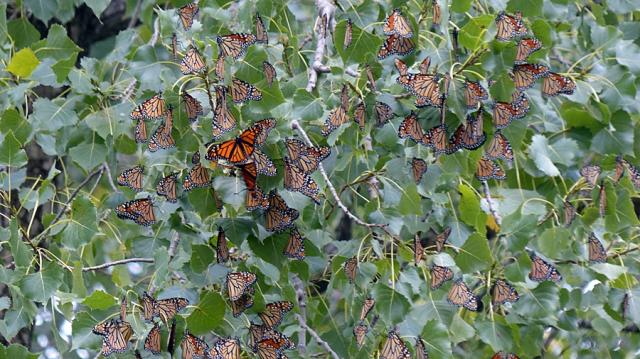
x=302, y=305
x=315, y=336
x=487, y=195
x=118, y=262
x=326, y=21
x=110, y=177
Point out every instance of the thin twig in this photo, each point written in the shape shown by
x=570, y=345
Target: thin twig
x=487, y=195
x=95, y=185
x=118, y=262
x=110, y=178
x=173, y=246
x=302, y=305
x=315, y=336
x=326, y=21
x=156, y=33
x=332, y=189
x=134, y=16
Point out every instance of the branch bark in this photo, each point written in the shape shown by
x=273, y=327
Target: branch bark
x=118, y=262
x=315, y=336
x=302, y=305
x=487, y=195
x=325, y=21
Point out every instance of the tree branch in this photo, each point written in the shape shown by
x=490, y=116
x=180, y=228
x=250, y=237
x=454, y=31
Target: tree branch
x=487, y=195
x=315, y=336
x=326, y=21
x=118, y=262
x=110, y=177
x=302, y=304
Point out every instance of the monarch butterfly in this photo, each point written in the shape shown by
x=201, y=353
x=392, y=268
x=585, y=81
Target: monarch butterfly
x=344, y=97
x=261, y=31
x=602, y=199
x=234, y=45
x=138, y=210
x=269, y=72
x=383, y=113
x=509, y=26
x=337, y=117
x=263, y=128
x=634, y=173
x=360, y=115
x=525, y=75
x=423, y=86
x=116, y=334
x=187, y=13
x=238, y=283
x=597, y=253
x=503, y=355
x=488, y=169
x=396, y=24
x=541, y=270
x=295, y=179
x=460, y=295
x=295, y=245
x=195, y=157
x=223, y=120
x=348, y=34
x=437, y=13
x=193, y=347
x=249, y=174
x=410, y=128
x=424, y=65
x=161, y=138
x=192, y=62
x=151, y=109
x=499, y=148
x=474, y=93
x=438, y=140
x=256, y=333
x=174, y=46
x=555, y=84
x=619, y=169
x=192, y=106
x=305, y=157
x=367, y=306
x=504, y=112
x=525, y=48
x=132, y=178
x=272, y=344
x=219, y=69
x=242, y=91
x=394, y=347
x=402, y=68
x=359, y=332
x=279, y=216
x=152, y=341
x=140, y=133
x=469, y=135
x=273, y=313
x=351, y=268
x=243, y=303
x=395, y=44
x=222, y=247
x=198, y=177
x=237, y=150
x=418, y=169
x=439, y=275
x=228, y=348
x=370, y=78
x=263, y=163
x=590, y=173
x=418, y=249
x=503, y=292
x=441, y=239
x=123, y=308
x=569, y=213
x=167, y=187
x=165, y=309
x=519, y=104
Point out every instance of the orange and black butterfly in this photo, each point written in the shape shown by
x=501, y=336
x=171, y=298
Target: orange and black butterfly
x=424, y=65
x=138, y=210
x=263, y=128
x=590, y=173
x=151, y=109
x=402, y=68
x=424, y=86
x=140, y=133
x=165, y=309
x=370, y=78
x=505, y=112
x=509, y=27
x=193, y=347
x=367, y=306
x=525, y=75
x=619, y=169
x=219, y=69
x=243, y=303
x=279, y=216
x=273, y=313
x=234, y=45
x=396, y=45
x=555, y=84
x=222, y=247
x=167, y=187
x=542, y=270
x=487, y=169
x=337, y=117
x=223, y=120
x=383, y=113
x=597, y=253
x=238, y=283
x=503, y=355
x=439, y=275
x=351, y=268
x=264, y=165
x=525, y=48
x=249, y=174
x=132, y=178
x=295, y=245
x=192, y=106
x=192, y=62
x=503, y=292
x=418, y=169
x=344, y=97
x=272, y=346
x=460, y=295
x=261, y=31
x=198, y=177
x=307, y=158
x=152, y=341
x=474, y=93
x=295, y=179
x=242, y=91
x=359, y=332
x=116, y=334
x=437, y=13
x=348, y=34
x=421, y=351
x=228, y=348
x=256, y=333
x=602, y=199
x=634, y=173
x=269, y=72
x=569, y=213
x=418, y=249
x=441, y=239
x=394, y=347
x=469, y=135
x=360, y=115
x=438, y=139
x=499, y=148
x=396, y=24
x=187, y=13
x=237, y=150
x=162, y=138
x=410, y=128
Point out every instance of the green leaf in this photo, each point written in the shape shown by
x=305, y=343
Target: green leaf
x=390, y=304
x=410, y=201
x=208, y=314
x=475, y=254
x=529, y=8
x=364, y=46
x=100, y=300
x=3, y=23
x=22, y=32
x=201, y=257
x=23, y=63
x=57, y=45
x=53, y=115
x=111, y=121
x=437, y=340
x=459, y=330
x=12, y=121
x=42, y=9
x=473, y=33
x=469, y=209
x=79, y=288
x=88, y=155
x=21, y=253
x=82, y=223
x=620, y=212
x=41, y=285
x=97, y=6
x=617, y=138
x=495, y=334
x=63, y=67
x=460, y=6
x=11, y=153
x=16, y=351
x=539, y=151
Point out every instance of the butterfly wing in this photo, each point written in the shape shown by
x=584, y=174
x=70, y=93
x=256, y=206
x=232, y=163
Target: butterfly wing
x=439, y=275
x=295, y=245
x=269, y=72
x=167, y=187
x=187, y=13
x=192, y=106
x=152, y=341
x=336, y=118
x=198, y=177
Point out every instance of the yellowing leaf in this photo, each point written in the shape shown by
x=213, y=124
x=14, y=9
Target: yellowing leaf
x=23, y=63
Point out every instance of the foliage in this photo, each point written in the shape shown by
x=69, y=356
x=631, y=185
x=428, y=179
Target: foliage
x=52, y=272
